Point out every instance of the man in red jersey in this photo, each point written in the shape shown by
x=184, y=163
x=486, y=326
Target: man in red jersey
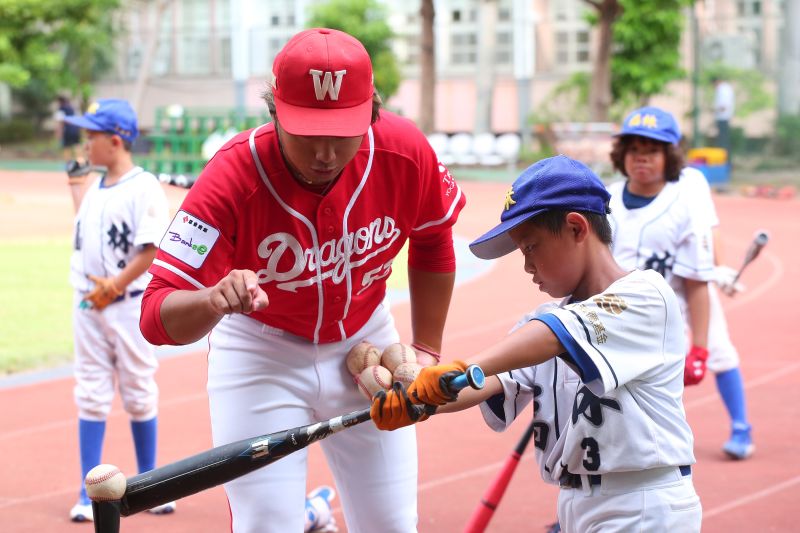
x=281, y=250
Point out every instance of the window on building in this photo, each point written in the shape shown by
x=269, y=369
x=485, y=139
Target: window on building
x=572, y=47
x=194, y=38
x=456, y=15
x=748, y=8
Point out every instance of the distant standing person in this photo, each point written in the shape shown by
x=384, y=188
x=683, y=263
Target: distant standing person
x=68, y=135
x=724, y=107
x=121, y=215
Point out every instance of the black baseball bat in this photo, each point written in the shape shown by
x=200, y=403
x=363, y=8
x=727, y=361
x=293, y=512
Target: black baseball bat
x=759, y=241
x=230, y=461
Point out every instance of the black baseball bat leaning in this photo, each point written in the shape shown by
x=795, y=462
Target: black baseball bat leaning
x=759, y=241
x=230, y=461
x=491, y=498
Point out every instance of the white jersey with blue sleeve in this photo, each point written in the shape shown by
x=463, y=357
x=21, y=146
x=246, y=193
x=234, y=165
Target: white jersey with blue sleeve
x=667, y=235
x=699, y=191
x=113, y=223
x=613, y=401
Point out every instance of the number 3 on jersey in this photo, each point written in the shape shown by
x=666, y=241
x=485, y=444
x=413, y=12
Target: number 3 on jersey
x=591, y=452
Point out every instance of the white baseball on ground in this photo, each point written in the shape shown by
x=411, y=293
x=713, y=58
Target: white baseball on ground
x=361, y=356
x=105, y=483
x=405, y=373
x=397, y=353
x=372, y=379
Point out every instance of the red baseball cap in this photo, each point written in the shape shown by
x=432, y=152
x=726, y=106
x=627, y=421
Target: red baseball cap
x=323, y=84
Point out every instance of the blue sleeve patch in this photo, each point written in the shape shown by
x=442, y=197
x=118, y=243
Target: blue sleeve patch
x=578, y=356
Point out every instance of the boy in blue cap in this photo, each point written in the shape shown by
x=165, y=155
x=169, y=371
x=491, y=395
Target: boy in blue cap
x=663, y=217
x=121, y=215
x=603, y=367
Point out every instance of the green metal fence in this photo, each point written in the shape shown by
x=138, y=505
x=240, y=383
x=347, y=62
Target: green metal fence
x=175, y=144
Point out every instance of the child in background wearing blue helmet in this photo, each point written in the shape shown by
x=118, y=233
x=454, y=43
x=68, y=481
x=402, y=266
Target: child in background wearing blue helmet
x=678, y=242
x=603, y=367
x=121, y=216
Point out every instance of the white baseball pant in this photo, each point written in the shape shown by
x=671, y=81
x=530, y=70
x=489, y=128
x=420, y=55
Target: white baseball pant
x=262, y=380
x=659, y=500
x=108, y=347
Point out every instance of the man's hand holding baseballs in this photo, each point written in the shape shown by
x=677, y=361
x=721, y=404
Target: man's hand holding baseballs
x=238, y=292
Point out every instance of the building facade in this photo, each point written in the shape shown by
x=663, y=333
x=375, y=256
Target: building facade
x=198, y=54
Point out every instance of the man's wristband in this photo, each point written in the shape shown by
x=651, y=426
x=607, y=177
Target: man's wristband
x=430, y=351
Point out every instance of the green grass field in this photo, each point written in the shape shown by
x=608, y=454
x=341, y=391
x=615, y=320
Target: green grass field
x=35, y=305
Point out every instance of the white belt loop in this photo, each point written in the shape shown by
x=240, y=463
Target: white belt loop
x=586, y=484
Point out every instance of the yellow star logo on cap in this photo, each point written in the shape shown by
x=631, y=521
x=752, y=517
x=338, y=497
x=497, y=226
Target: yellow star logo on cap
x=509, y=200
x=93, y=107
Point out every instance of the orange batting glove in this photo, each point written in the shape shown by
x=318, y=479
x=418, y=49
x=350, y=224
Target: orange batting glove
x=431, y=387
x=104, y=293
x=393, y=409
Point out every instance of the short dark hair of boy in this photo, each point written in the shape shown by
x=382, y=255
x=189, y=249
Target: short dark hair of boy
x=269, y=98
x=673, y=155
x=555, y=219
x=128, y=145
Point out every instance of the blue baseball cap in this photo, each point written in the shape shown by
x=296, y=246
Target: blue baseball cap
x=653, y=123
x=110, y=115
x=555, y=183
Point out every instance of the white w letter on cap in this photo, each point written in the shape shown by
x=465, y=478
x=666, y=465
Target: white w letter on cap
x=320, y=88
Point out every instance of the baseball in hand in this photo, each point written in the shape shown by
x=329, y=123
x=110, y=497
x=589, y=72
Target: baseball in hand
x=373, y=379
x=405, y=373
x=361, y=356
x=105, y=483
x=397, y=353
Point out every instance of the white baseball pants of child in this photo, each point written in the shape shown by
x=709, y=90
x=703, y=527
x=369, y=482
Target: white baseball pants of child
x=659, y=500
x=262, y=380
x=722, y=354
x=110, y=349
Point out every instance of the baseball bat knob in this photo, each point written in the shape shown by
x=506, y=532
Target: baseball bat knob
x=473, y=377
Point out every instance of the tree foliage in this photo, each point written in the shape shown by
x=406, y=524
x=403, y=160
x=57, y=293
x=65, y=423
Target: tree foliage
x=366, y=21
x=47, y=46
x=646, y=54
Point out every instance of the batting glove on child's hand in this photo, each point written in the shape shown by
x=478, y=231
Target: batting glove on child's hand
x=431, y=386
x=393, y=409
x=105, y=292
x=695, y=369
x=724, y=277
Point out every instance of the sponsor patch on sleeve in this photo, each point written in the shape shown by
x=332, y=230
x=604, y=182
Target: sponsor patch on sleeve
x=189, y=239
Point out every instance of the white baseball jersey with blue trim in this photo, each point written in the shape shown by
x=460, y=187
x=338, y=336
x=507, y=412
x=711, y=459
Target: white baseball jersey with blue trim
x=113, y=223
x=613, y=401
x=667, y=236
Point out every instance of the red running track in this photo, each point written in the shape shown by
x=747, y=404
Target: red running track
x=459, y=456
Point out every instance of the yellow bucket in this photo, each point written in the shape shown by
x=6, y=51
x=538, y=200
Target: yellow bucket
x=708, y=155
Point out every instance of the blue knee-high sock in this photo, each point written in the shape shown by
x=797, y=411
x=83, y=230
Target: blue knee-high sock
x=731, y=388
x=144, y=440
x=90, y=440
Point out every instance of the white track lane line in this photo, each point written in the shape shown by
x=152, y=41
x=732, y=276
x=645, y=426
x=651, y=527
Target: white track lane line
x=753, y=496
